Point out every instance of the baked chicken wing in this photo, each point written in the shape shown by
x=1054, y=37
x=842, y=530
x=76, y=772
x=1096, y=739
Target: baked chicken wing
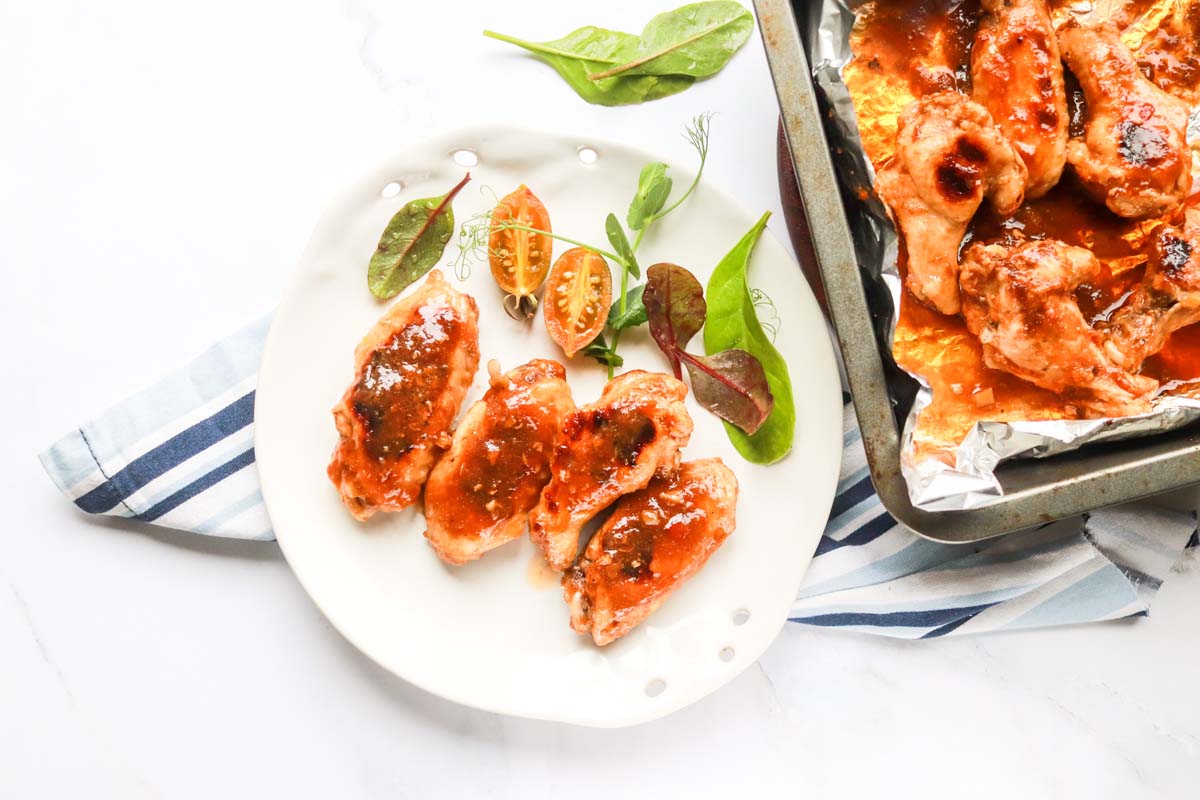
x=1133, y=156
x=609, y=448
x=411, y=373
x=1020, y=302
x=655, y=540
x=481, y=491
x=949, y=156
x=1017, y=75
x=1167, y=299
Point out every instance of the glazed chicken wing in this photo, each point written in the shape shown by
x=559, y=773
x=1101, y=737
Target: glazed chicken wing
x=481, y=491
x=411, y=373
x=1167, y=299
x=931, y=241
x=949, y=157
x=1017, y=75
x=609, y=448
x=655, y=540
x=1134, y=155
x=1020, y=302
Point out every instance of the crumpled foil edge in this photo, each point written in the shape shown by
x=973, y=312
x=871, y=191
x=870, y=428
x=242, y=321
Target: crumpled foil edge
x=934, y=485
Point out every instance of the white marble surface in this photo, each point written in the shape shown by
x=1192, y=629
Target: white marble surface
x=161, y=166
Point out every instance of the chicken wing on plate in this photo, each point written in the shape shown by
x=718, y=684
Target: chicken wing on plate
x=1133, y=156
x=949, y=156
x=655, y=540
x=1017, y=75
x=1167, y=299
x=411, y=373
x=481, y=491
x=1020, y=302
x=609, y=448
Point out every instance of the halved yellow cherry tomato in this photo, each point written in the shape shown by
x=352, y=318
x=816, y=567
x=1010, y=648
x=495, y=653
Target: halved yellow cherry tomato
x=578, y=295
x=520, y=259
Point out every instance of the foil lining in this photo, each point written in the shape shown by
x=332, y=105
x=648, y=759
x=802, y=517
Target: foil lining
x=934, y=485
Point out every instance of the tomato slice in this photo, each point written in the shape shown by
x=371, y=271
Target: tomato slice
x=578, y=296
x=520, y=259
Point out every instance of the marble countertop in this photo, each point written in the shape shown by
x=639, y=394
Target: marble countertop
x=162, y=167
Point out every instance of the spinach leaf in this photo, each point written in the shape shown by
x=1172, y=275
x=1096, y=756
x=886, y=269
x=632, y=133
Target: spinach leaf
x=634, y=313
x=590, y=49
x=621, y=246
x=412, y=243
x=652, y=191
x=696, y=40
x=733, y=324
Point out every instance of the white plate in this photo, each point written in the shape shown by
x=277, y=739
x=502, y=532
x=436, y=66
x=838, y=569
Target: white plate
x=488, y=634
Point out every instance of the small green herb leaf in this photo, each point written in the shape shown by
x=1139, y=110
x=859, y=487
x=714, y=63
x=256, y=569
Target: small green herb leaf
x=732, y=385
x=620, y=243
x=412, y=243
x=675, y=309
x=733, y=324
x=600, y=351
x=634, y=313
x=653, y=188
x=590, y=49
x=696, y=40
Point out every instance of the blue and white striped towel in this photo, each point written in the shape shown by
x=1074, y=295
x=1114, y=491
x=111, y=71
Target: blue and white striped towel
x=181, y=454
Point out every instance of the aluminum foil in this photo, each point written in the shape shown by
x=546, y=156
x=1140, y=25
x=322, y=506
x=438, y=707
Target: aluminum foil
x=932, y=484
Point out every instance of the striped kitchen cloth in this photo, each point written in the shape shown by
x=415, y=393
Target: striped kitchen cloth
x=181, y=454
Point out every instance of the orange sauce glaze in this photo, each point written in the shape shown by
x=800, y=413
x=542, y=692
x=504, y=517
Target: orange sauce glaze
x=655, y=539
x=395, y=397
x=501, y=471
x=904, y=49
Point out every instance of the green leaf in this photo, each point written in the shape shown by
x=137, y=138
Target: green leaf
x=733, y=324
x=412, y=243
x=635, y=311
x=621, y=246
x=590, y=49
x=653, y=188
x=599, y=350
x=696, y=40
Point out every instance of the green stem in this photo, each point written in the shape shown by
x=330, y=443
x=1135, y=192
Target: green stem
x=637, y=240
x=684, y=196
x=537, y=47
x=516, y=226
x=624, y=283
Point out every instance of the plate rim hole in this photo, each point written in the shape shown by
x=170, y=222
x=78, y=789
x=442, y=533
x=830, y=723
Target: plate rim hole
x=726, y=653
x=391, y=189
x=587, y=155
x=655, y=687
x=465, y=157
x=740, y=616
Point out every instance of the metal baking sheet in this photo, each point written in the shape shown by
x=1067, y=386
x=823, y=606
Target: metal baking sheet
x=1026, y=491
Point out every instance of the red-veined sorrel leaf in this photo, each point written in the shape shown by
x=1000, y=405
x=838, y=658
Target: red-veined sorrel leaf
x=412, y=243
x=732, y=385
x=675, y=309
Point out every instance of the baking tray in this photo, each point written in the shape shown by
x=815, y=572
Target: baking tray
x=1036, y=491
